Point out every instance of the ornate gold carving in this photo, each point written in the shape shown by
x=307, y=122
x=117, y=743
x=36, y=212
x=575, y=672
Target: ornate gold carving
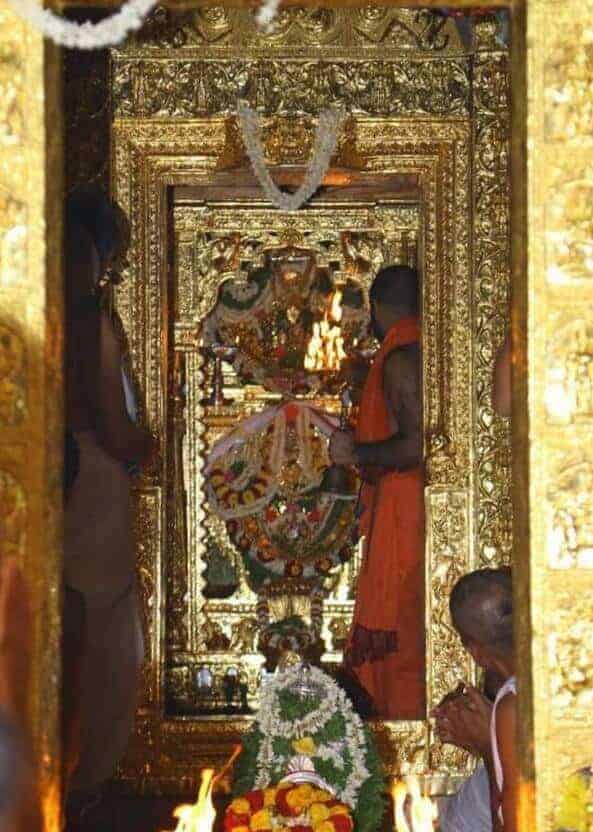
x=440, y=460
x=244, y=636
x=553, y=282
x=13, y=516
x=424, y=149
x=13, y=229
x=31, y=432
x=396, y=31
x=213, y=245
x=569, y=380
x=570, y=519
x=492, y=279
x=147, y=88
x=147, y=522
x=289, y=140
x=12, y=377
x=571, y=659
x=155, y=93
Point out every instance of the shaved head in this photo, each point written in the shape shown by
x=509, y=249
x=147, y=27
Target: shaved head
x=397, y=287
x=481, y=607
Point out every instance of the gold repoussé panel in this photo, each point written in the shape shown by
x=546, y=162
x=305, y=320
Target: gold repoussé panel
x=30, y=363
x=553, y=385
x=423, y=106
x=552, y=78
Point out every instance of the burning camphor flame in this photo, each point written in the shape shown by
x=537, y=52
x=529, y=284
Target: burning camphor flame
x=325, y=350
x=423, y=811
x=200, y=816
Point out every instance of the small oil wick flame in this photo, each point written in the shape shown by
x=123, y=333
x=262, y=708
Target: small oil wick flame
x=422, y=811
x=200, y=816
x=325, y=350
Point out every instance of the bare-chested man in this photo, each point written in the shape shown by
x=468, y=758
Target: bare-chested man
x=386, y=644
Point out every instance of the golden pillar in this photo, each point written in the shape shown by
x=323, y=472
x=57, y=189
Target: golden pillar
x=31, y=361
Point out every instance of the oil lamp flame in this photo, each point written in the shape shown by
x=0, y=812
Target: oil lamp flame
x=336, y=306
x=200, y=816
x=422, y=811
x=325, y=350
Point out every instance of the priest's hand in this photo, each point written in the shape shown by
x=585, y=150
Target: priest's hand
x=465, y=721
x=341, y=447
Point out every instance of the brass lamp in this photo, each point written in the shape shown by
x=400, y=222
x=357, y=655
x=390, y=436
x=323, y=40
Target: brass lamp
x=337, y=479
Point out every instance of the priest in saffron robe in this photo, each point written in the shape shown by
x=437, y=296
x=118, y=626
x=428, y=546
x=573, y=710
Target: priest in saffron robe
x=385, y=650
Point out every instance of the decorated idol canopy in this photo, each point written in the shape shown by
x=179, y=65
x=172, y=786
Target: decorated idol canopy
x=263, y=480
x=278, y=320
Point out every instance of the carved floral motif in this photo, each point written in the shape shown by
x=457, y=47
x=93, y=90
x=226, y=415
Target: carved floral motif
x=13, y=239
x=13, y=516
x=147, y=88
x=570, y=655
x=12, y=377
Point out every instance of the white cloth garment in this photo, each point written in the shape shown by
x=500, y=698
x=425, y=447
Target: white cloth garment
x=510, y=686
x=469, y=809
x=130, y=396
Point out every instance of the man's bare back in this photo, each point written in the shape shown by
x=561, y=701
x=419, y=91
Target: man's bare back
x=403, y=396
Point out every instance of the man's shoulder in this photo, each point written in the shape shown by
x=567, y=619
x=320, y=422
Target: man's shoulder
x=403, y=359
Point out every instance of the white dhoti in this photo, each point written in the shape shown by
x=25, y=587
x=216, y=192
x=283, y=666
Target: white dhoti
x=99, y=563
x=469, y=809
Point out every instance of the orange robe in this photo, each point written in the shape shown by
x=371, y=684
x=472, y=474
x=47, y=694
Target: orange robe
x=386, y=645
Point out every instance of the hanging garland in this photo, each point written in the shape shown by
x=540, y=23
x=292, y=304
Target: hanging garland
x=324, y=145
x=72, y=35
x=266, y=14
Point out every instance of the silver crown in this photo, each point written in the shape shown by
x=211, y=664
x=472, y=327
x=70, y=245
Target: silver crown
x=300, y=769
x=304, y=686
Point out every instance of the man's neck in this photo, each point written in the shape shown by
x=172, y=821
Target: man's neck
x=394, y=320
x=504, y=666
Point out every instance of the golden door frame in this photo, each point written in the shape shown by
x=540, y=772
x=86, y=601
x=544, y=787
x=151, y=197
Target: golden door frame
x=432, y=150
x=552, y=152
x=155, y=134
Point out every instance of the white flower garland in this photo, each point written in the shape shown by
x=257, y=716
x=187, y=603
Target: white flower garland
x=324, y=145
x=266, y=14
x=332, y=700
x=72, y=35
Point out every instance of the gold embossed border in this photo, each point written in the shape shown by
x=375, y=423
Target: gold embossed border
x=553, y=294
x=31, y=436
x=149, y=156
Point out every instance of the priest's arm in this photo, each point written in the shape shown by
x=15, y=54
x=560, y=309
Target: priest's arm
x=403, y=397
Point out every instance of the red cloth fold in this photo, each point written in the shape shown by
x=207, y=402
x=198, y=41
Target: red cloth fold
x=386, y=644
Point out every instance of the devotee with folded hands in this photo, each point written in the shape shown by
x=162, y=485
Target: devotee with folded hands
x=482, y=613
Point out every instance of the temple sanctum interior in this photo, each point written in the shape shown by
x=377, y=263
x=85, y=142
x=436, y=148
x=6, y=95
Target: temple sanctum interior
x=296, y=409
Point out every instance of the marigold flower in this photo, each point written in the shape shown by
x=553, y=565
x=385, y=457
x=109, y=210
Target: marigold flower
x=282, y=805
x=269, y=797
x=318, y=813
x=321, y=796
x=261, y=820
x=340, y=809
x=240, y=806
x=304, y=746
x=300, y=797
x=232, y=821
x=324, y=826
